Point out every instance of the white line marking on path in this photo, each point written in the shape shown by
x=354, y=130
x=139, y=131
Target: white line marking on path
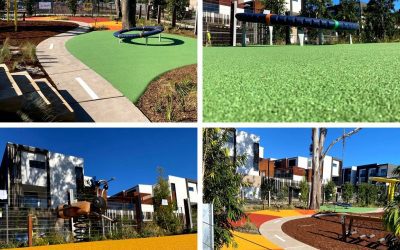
x=51, y=46
x=279, y=238
x=276, y=221
x=87, y=88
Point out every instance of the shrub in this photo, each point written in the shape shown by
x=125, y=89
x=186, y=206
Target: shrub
x=28, y=51
x=39, y=241
x=304, y=190
x=151, y=229
x=5, y=52
x=4, y=245
x=247, y=227
x=55, y=238
x=329, y=190
x=367, y=194
x=347, y=192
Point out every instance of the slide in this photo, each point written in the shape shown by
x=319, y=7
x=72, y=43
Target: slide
x=146, y=31
x=298, y=21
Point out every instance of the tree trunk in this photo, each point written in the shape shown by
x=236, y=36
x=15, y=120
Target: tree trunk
x=315, y=169
x=118, y=9
x=128, y=8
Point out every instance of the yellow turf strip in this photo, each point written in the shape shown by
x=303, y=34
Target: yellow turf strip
x=187, y=241
x=251, y=242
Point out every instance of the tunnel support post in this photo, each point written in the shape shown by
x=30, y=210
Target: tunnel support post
x=243, y=34
x=321, y=37
x=300, y=34
x=233, y=22
x=271, y=33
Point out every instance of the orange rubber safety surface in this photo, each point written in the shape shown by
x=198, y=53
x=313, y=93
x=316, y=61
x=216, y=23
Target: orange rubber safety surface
x=247, y=241
x=94, y=22
x=177, y=242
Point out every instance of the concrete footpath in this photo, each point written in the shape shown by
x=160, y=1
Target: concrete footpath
x=272, y=231
x=92, y=97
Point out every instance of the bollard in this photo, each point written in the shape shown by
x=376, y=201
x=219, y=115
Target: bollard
x=30, y=229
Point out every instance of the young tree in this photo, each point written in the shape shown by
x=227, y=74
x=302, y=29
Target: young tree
x=128, y=8
x=155, y=4
x=380, y=21
x=315, y=8
x=179, y=6
x=347, y=192
x=391, y=218
x=304, y=191
x=318, y=155
x=164, y=215
x=349, y=11
x=118, y=13
x=2, y=4
x=72, y=6
x=277, y=7
x=329, y=190
x=29, y=4
x=222, y=184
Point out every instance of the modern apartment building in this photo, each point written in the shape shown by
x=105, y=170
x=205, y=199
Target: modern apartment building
x=254, y=6
x=299, y=167
x=184, y=194
x=360, y=174
x=38, y=178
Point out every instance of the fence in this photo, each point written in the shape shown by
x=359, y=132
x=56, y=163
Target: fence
x=98, y=8
x=208, y=227
x=217, y=27
x=47, y=227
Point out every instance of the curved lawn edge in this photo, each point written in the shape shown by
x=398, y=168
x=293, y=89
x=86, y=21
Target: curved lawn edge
x=130, y=68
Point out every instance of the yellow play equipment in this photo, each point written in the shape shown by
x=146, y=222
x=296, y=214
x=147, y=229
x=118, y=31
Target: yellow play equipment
x=392, y=185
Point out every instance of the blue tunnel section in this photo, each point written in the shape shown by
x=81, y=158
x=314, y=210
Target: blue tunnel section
x=298, y=21
x=146, y=31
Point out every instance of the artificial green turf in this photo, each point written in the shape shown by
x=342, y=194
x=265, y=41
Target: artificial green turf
x=131, y=67
x=359, y=82
x=348, y=210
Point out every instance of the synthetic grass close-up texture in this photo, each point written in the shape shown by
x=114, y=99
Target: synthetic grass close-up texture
x=130, y=67
x=344, y=83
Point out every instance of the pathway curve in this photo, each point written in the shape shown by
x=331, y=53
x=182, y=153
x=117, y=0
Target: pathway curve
x=92, y=97
x=272, y=230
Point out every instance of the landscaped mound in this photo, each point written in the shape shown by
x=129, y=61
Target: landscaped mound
x=172, y=96
x=325, y=233
x=346, y=83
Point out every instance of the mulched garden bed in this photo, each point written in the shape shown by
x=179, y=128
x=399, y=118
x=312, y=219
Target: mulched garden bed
x=325, y=233
x=172, y=97
x=32, y=31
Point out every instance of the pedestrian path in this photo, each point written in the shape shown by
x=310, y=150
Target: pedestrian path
x=92, y=97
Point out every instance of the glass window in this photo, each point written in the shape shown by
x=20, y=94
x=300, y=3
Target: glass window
x=292, y=162
x=256, y=150
x=37, y=164
x=191, y=189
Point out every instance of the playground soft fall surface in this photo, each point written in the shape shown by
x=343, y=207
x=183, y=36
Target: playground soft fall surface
x=345, y=83
x=131, y=65
x=187, y=241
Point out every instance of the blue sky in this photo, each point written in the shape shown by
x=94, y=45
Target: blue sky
x=130, y=155
x=396, y=3
x=370, y=145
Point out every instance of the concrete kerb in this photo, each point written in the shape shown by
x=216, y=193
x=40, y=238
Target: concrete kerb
x=92, y=97
x=272, y=231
